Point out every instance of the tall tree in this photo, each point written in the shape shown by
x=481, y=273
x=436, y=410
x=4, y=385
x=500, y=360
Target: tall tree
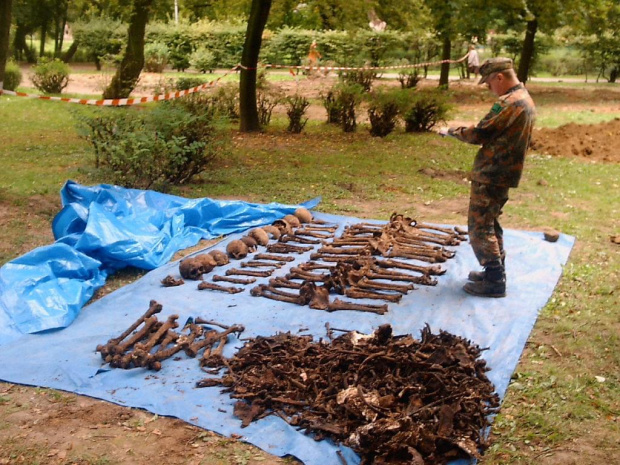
x=5, y=27
x=128, y=72
x=249, y=61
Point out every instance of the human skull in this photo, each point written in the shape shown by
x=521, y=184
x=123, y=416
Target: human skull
x=237, y=249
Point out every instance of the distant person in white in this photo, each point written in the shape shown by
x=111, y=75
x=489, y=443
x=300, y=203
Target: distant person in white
x=473, y=62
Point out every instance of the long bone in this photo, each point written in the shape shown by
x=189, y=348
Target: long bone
x=423, y=279
x=365, y=283
x=337, y=258
x=201, y=321
x=345, y=250
x=275, y=258
x=309, y=266
x=275, y=294
x=399, y=252
x=216, y=287
x=154, y=308
x=153, y=361
x=120, y=348
x=425, y=251
x=435, y=270
x=309, y=227
x=312, y=233
x=297, y=273
x=209, y=338
x=145, y=347
x=338, y=304
x=278, y=247
x=286, y=238
x=213, y=358
x=258, y=274
x=258, y=264
x=357, y=293
x=283, y=282
x=229, y=279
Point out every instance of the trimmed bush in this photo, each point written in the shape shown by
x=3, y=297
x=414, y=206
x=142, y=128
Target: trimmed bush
x=296, y=107
x=203, y=60
x=362, y=77
x=341, y=103
x=266, y=101
x=184, y=83
x=424, y=109
x=152, y=149
x=408, y=79
x=226, y=100
x=12, y=76
x=383, y=110
x=156, y=57
x=51, y=76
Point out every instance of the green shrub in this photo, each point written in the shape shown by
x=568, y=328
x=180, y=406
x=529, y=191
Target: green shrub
x=203, y=60
x=362, y=77
x=156, y=57
x=51, y=76
x=226, y=100
x=341, y=103
x=296, y=107
x=152, y=149
x=409, y=79
x=12, y=76
x=383, y=111
x=424, y=109
x=266, y=101
x=184, y=83
x=181, y=49
x=99, y=37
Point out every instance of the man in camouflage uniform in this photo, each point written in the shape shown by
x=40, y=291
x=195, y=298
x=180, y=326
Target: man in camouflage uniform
x=504, y=134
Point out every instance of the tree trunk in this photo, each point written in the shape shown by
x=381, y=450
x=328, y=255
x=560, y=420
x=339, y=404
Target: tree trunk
x=445, y=67
x=613, y=74
x=527, y=52
x=68, y=56
x=128, y=72
x=43, y=38
x=5, y=27
x=249, y=60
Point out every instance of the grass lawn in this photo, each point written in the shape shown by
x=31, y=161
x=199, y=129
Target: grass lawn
x=563, y=405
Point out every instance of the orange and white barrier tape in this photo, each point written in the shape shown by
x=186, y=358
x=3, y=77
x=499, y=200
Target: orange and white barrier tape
x=118, y=102
x=363, y=68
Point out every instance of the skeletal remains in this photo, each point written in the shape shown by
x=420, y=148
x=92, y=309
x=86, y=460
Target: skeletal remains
x=135, y=349
x=393, y=399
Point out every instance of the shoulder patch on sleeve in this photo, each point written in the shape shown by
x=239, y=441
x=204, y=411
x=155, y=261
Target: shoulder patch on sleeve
x=496, y=108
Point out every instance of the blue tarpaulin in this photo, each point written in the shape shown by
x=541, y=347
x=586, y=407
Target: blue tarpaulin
x=104, y=228
x=66, y=359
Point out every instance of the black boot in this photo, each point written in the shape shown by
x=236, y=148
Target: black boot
x=493, y=283
x=479, y=275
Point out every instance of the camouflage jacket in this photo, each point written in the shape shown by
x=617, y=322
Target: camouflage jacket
x=504, y=134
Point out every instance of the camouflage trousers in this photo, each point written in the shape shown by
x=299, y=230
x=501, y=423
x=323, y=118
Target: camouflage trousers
x=486, y=236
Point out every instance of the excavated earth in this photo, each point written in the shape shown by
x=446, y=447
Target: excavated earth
x=599, y=143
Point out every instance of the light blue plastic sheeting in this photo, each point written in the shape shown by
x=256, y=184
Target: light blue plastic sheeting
x=503, y=325
x=104, y=228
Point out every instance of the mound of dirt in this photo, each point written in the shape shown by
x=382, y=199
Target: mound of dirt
x=596, y=142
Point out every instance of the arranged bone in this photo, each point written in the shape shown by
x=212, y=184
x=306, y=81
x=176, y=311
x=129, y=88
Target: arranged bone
x=250, y=242
x=113, y=352
x=365, y=283
x=258, y=274
x=171, y=281
x=259, y=264
x=303, y=215
x=237, y=249
x=220, y=257
x=293, y=221
x=214, y=358
x=284, y=226
x=296, y=238
x=318, y=228
x=305, y=232
x=170, y=323
x=338, y=304
x=276, y=258
x=428, y=270
x=345, y=250
x=283, y=282
x=260, y=236
x=274, y=232
x=297, y=273
x=216, y=287
x=273, y=293
x=309, y=266
x=335, y=258
x=154, y=308
x=357, y=293
x=201, y=321
x=230, y=279
x=209, y=338
x=287, y=248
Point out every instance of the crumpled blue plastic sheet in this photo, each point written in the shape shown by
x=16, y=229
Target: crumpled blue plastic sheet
x=104, y=228
x=66, y=359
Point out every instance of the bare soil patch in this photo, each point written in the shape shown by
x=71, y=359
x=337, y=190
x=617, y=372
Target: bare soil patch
x=600, y=142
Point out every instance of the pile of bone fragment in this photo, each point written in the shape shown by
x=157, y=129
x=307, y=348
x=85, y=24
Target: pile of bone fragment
x=393, y=399
x=380, y=262
x=147, y=342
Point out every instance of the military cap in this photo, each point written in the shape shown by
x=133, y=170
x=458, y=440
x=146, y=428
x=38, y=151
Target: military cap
x=494, y=65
